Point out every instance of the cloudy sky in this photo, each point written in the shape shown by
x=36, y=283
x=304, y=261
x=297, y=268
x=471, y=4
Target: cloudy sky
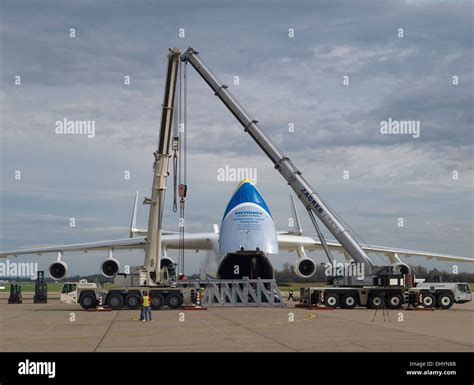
x=283, y=80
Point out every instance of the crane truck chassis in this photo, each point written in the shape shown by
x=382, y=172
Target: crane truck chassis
x=427, y=294
x=89, y=296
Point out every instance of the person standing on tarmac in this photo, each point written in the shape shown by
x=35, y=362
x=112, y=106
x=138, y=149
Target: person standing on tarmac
x=146, y=307
x=290, y=295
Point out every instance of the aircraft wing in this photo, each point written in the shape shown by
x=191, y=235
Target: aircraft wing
x=209, y=241
x=388, y=251
x=291, y=242
x=117, y=244
x=196, y=241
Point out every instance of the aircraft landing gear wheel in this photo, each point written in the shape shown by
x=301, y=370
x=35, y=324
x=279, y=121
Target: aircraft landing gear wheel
x=349, y=301
x=445, y=301
x=428, y=301
x=331, y=300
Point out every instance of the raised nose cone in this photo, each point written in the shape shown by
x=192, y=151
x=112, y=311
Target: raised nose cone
x=246, y=192
x=247, y=223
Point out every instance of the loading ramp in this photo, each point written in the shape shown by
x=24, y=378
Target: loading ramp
x=243, y=292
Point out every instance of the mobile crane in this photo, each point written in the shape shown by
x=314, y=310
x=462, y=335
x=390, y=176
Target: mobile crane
x=305, y=193
x=157, y=275
x=379, y=285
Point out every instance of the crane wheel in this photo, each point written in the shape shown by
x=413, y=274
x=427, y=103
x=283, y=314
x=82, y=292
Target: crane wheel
x=394, y=301
x=331, y=300
x=157, y=300
x=115, y=301
x=174, y=301
x=88, y=301
x=132, y=301
x=375, y=302
x=428, y=301
x=349, y=301
x=445, y=301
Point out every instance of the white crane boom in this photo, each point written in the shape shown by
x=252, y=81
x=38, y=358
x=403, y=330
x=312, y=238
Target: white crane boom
x=160, y=167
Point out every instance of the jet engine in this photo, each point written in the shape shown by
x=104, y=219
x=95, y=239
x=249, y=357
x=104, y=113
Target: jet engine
x=405, y=270
x=57, y=270
x=166, y=262
x=304, y=267
x=168, y=268
x=402, y=268
x=110, y=267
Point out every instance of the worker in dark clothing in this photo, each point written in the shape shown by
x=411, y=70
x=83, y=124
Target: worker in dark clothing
x=290, y=295
x=146, y=307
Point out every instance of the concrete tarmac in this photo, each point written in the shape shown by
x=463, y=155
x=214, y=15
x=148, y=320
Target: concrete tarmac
x=60, y=327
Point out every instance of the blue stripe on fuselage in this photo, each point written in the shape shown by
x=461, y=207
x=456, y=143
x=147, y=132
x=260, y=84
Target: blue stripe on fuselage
x=246, y=192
